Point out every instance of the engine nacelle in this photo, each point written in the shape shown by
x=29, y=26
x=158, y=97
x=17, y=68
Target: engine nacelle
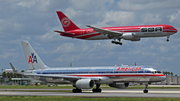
x=84, y=84
x=130, y=36
x=119, y=85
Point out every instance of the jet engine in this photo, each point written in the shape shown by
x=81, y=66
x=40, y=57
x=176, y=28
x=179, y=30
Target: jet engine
x=130, y=36
x=119, y=85
x=84, y=84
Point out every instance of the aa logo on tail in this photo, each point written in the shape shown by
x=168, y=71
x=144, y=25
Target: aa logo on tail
x=32, y=58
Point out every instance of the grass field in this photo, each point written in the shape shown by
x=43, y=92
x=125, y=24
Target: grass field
x=42, y=98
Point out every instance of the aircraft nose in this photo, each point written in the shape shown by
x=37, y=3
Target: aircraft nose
x=162, y=78
x=176, y=30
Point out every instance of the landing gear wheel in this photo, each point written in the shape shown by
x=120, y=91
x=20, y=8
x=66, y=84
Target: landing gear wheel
x=168, y=39
x=96, y=90
x=113, y=41
x=76, y=90
x=116, y=42
x=145, y=91
x=146, y=87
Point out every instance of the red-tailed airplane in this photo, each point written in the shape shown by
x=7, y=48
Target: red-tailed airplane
x=132, y=33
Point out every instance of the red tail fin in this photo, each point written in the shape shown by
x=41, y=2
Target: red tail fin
x=66, y=22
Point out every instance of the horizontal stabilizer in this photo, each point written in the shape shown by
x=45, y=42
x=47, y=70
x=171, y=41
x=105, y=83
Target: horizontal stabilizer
x=64, y=32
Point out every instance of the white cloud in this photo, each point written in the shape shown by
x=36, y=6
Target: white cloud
x=43, y=5
x=9, y=24
x=117, y=18
x=7, y=55
x=151, y=18
x=69, y=58
x=72, y=48
x=163, y=49
x=148, y=5
x=174, y=16
x=27, y=4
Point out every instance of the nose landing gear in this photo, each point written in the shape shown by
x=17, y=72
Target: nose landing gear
x=146, y=88
x=168, y=39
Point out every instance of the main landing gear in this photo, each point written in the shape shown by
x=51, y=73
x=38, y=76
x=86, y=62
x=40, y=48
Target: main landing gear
x=116, y=42
x=76, y=90
x=168, y=38
x=97, y=90
x=146, y=87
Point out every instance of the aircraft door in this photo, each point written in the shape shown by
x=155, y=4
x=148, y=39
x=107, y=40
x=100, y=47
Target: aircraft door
x=144, y=73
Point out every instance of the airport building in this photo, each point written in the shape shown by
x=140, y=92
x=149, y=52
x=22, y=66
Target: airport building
x=8, y=77
x=171, y=80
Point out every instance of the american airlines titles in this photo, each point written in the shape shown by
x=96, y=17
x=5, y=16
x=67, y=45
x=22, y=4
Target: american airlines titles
x=129, y=69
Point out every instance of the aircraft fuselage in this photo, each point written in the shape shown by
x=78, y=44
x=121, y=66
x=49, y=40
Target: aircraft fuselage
x=140, y=31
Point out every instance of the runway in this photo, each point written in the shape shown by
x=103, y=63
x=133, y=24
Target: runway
x=153, y=93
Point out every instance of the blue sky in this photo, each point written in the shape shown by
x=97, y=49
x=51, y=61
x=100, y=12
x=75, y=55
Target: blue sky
x=35, y=20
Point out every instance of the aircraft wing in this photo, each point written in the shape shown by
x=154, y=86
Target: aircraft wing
x=69, y=78
x=105, y=31
x=64, y=32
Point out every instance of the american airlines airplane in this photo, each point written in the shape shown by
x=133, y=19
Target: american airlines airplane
x=132, y=33
x=87, y=77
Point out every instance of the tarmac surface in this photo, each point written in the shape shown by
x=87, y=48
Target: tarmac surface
x=153, y=93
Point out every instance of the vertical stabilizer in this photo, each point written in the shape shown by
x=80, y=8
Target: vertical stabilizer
x=32, y=59
x=14, y=70
x=66, y=22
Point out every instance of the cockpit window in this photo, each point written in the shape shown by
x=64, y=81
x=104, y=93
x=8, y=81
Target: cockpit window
x=158, y=71
x=154, y=72
x=171, y=27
